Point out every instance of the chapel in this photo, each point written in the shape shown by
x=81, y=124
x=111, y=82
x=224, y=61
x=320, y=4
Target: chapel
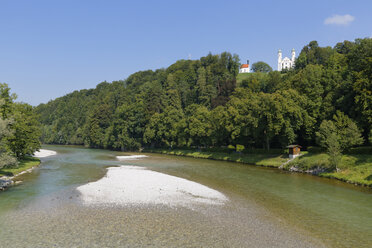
x=244, y=68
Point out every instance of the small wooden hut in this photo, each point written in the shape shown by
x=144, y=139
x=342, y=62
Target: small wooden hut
x=294, y=150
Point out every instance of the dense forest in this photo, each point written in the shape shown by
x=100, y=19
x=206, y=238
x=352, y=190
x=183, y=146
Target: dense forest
x=19, y=129
x=205, y=103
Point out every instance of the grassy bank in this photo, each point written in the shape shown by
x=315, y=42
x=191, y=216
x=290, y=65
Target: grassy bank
x=354, y=168
x=23, y=165
x=269, y=160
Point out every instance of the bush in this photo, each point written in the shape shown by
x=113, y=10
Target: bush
x=239, y=148
x=308, y=162
x=264, y=151
x=360, y=150
x=217, y=149
x=231, y=147
x=315, y=149
x=7, y=161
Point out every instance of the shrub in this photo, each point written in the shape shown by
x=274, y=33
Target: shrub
x=264, y=151
x=7, y=161
x=239, y=148
x=217, y=149
x=315, y=149
x=360, y=150
x=231, y=147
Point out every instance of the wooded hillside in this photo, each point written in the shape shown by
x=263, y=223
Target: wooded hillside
x=199, y=103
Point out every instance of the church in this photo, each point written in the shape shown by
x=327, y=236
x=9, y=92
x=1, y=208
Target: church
x=286, y=63
x=283, y=64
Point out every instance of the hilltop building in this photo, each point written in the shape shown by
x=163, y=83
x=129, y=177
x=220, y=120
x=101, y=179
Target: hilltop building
x=286, y=63
x=244, y=68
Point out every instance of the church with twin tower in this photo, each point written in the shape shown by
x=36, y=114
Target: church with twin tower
x=286, y=63
x=283, y=64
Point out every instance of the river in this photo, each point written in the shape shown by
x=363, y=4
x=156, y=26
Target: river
x=263, y=207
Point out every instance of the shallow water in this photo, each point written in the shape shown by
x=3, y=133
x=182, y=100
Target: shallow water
x=266, y=207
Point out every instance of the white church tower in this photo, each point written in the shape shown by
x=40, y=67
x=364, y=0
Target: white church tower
x=293, y=56
x=279, y=60
x=286, y=63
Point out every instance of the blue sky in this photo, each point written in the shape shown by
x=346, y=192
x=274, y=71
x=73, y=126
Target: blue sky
x=51, y=48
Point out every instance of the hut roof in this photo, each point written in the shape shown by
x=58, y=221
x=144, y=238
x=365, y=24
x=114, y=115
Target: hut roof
x=293, y=146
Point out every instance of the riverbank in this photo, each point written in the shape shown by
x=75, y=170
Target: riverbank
x=8, y=174
x=354, y=168
x=267, y=160
x=25, y=166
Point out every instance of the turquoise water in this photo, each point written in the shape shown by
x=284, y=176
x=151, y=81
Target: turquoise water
x=266, y=207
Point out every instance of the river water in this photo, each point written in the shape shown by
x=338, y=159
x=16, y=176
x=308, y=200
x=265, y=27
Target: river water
x=265, y=207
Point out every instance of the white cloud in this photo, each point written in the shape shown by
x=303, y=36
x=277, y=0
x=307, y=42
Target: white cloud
x=342, y=20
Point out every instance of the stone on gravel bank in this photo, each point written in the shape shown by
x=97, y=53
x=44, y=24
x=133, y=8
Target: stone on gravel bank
x=5, y=182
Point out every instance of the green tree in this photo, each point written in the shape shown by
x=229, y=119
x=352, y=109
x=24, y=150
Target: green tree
x=261, y=66
x=360, y=62
x=313, y=54
x=5, y=158
x=7, y=100
x=242, y=117
x=330, y=140
x=163, y=129
x=255, y=81
x=127, y=127
x=347, y=130
x=98, y=122
x=219, y=118
x=338, y=135
x=205, y=92
x=25, y=131
x=199, y=127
